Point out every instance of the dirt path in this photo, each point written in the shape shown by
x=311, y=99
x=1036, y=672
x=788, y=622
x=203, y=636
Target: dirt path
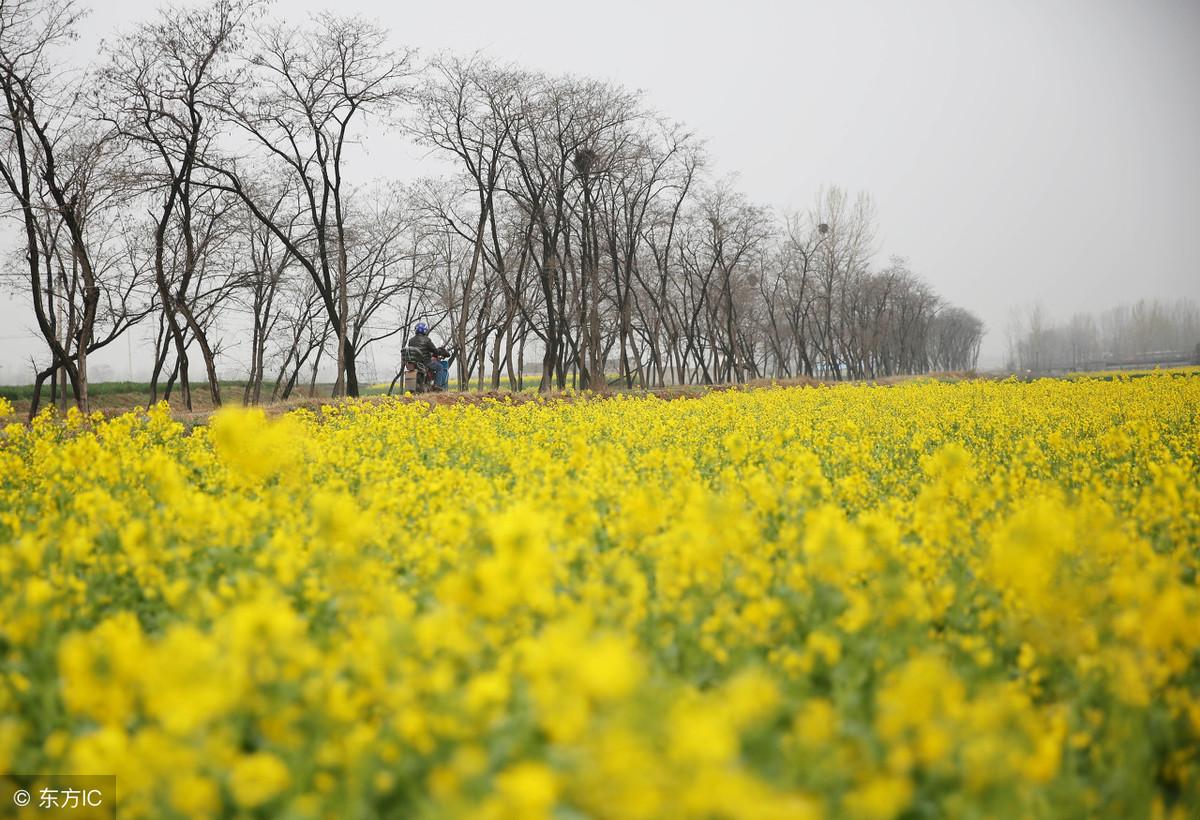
x=114, y=404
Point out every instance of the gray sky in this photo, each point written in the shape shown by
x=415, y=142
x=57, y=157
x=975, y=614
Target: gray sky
x=1016, y=150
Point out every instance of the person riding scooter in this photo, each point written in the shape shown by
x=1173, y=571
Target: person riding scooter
x=428, y=358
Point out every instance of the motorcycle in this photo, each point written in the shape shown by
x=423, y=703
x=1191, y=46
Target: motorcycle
x=416, y=362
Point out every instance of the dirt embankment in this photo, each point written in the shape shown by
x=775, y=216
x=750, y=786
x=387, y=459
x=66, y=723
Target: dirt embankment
x=111, y=404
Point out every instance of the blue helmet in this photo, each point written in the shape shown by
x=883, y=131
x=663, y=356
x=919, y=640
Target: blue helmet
x=422, y=329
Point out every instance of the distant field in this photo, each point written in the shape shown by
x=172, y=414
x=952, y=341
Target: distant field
x=1109, y=375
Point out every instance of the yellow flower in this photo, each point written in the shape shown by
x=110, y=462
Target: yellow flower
x=816, y=723
x=701, y=733
x=257, y=778
x=880, y=798
x=607, y=668
x=529, y=789
x=195, y=795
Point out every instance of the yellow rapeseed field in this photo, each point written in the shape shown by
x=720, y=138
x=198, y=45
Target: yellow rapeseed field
x=966, y=600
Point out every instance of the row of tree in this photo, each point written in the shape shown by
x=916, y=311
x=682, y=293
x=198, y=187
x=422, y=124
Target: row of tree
x=1145, y=332
x=195, y=182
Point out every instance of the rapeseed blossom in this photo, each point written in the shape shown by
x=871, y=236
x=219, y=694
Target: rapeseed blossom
x=926, y=600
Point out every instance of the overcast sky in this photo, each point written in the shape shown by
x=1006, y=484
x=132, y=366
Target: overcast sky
x=1016, y=150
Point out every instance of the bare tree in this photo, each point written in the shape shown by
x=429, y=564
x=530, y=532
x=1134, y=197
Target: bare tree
x=58, y=167
x=158, y=83
x=306, y=91
x=1140, y=334
x=260, y=286
x=464, y=109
